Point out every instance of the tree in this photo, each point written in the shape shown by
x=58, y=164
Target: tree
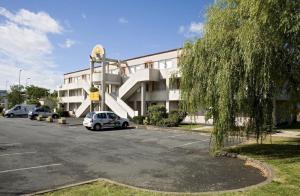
x=35, y=92
x=249, y=53
x=15, y=95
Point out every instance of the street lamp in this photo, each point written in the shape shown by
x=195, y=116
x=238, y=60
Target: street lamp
x=27, y=81
x=20, y=78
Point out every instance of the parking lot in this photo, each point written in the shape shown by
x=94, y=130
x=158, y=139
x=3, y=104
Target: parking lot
x=37, y=155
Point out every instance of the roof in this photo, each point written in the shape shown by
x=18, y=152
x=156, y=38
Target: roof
x=138, y=57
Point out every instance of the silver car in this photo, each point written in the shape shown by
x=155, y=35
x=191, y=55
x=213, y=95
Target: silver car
x=104, y=119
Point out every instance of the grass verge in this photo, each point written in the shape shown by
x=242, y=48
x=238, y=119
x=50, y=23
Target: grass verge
x=283, y=154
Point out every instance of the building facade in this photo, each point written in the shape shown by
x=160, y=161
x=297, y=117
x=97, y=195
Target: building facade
x=130, y=89
x=134, y=86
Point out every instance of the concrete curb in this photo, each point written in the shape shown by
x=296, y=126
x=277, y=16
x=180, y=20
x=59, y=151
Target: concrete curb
x=264, y=168
x=155, y=128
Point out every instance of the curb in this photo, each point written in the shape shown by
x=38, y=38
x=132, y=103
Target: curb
x=155, y=128
x=264, y=168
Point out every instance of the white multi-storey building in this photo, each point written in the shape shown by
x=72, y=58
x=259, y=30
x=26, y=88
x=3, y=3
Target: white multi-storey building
x=133, y=86
x=130, y=88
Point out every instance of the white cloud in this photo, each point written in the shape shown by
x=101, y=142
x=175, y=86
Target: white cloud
x=83, y=15
x=193, y=30
x=68, y=43
x=24, y=44
x=123, y=20
x=40, y=21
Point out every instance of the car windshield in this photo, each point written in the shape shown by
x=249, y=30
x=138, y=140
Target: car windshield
x=90, y=114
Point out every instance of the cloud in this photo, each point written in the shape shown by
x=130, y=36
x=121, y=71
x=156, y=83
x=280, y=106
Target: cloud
x=193, y=30
x=67, y=44
x=123, y=20
x=83, y=15
x=24, y=44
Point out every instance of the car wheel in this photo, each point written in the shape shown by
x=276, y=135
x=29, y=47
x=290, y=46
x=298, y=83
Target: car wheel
x=125, y=125
x=55, y=116
x=11, y=115
x=97, y=127
x=88, y=128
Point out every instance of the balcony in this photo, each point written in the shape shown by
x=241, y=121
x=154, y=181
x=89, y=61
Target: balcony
x=110, y=78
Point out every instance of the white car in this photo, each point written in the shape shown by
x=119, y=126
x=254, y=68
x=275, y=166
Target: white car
x=104, y=119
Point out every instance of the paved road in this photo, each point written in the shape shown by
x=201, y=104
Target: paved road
x=36, y=155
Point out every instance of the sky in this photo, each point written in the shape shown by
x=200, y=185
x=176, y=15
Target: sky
x=48, y=38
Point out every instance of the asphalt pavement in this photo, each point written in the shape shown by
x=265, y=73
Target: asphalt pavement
x=38, y=155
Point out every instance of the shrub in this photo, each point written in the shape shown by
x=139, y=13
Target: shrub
x=62, y=113
x=146, y=121
x=167, y=122
x=94, y=89
x=156, y=113
x=1, y=109
x=138, y=119
x=177, y=116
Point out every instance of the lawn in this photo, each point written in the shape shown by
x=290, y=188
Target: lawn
x=283, y=155
x=196, y=127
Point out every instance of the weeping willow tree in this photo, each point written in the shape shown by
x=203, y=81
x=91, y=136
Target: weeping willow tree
x=248, y=55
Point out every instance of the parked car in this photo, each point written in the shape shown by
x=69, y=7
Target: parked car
x=104, y=119
x=19, y=110
x=44, y=112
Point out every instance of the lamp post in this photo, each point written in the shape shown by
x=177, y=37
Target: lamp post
x=27, y=81
x=20, y=78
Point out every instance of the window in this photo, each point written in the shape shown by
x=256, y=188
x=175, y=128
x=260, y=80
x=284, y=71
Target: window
x=155, y=65
x=149, y=65
x=132, y=69
x=169, y=63
x=162, y=64
x=101, y=116
x=111, y=116
x=17, y=108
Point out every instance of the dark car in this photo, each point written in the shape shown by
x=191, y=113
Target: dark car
x=44, y=112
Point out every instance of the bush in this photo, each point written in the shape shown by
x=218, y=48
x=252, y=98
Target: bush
x=177, y=116
x=1, y=109
x=156, y=113
x=167, y=122
x=94, y=89
x=62, y=113
x=138, y=119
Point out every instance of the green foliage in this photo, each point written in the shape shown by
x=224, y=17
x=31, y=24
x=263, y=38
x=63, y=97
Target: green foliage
x=156, y=113
x=35, y=92
x=177, y=115
x=138, y=119
x=51, y=101
x=249, y=53
x=15, y=95
x=33, y=102
x=94, y=89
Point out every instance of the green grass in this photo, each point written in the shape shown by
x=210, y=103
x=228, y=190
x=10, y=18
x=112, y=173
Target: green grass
x=195, y=127
x=283, y=155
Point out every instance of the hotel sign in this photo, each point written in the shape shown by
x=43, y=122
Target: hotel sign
x=94, y=96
